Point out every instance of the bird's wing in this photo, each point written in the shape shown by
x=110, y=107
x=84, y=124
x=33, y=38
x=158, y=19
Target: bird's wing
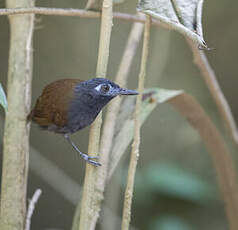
x=52, y=106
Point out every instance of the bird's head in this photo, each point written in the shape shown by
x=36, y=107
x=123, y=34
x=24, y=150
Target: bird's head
x=102, y=89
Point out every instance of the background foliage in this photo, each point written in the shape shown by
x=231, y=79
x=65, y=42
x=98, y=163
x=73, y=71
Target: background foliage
x=175, y=187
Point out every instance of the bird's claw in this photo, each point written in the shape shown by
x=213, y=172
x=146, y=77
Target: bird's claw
x=95, y=163
x=88, y=159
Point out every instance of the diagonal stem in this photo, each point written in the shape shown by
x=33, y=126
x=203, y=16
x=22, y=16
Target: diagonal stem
x=113, y=108
x=135, y=146
x=222, y=160
x=209, y=76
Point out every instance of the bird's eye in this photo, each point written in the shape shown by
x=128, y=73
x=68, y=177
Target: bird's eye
x=104, y=88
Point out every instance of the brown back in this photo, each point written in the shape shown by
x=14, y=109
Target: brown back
x=52, y=106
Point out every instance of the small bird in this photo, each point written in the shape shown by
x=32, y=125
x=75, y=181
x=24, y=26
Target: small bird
x=68, y=105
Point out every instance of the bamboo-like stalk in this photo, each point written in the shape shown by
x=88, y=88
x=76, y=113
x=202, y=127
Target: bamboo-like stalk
x=108, y=128
x=89, y=208
x=136, y=143
x=16, y=131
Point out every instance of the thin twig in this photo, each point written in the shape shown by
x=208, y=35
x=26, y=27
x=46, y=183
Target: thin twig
x=209, y=76
x=222, y=160
x=77, y=13
x=135, y=146
x=51, y=11
x=31, y=208
x=90, y=207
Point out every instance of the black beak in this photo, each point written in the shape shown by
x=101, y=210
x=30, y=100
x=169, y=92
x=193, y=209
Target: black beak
x=124, y=91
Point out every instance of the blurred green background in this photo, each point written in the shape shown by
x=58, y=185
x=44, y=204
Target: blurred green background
x=176, y=186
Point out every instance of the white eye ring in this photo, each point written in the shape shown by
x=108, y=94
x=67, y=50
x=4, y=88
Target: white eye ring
x=98, y=88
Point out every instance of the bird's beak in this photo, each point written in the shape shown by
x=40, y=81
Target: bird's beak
x=123, y=91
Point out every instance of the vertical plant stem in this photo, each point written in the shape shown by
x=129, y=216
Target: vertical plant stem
x=89, y=205
x=112, y=112
x=136, y=143
x=209, y=76
x=16, y=130
x=121, y=79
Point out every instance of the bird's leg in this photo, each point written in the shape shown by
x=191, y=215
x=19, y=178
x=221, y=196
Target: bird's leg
x=83, y=155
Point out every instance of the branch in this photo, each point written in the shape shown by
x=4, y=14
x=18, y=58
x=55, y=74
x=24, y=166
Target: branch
x=51, y=11
x=77, y=13
x=209, y=77
x=16, y=131
x=135, y=146
x=31, y=208
x=90, y=206
x=222, y=160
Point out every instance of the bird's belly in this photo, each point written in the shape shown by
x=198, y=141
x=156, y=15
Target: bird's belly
x=63, y=129
x=56, y=129
x=79, y=122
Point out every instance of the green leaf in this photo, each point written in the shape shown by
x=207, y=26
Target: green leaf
x=3, y=99
x=162, y=95
x=169, y=223
x=166, y=179
x=125, y=122
x=178, y=183
x=185, y=16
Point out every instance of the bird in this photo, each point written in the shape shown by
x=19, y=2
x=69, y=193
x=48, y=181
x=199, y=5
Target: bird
x=69, y=105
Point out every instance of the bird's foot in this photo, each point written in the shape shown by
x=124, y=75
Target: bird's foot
x=88, y=159
x=83, y=155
